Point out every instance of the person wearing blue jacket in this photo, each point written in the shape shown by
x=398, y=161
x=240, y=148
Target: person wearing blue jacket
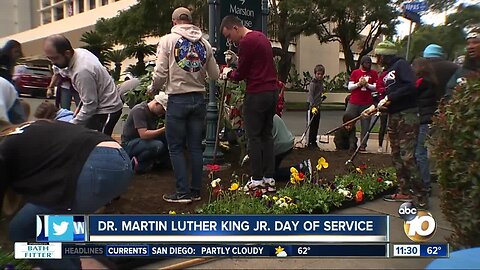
x=400, y=102
x=47, y=110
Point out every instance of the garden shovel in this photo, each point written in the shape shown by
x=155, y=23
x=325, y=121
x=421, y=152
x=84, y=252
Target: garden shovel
x=219, y=121
x=365, y=138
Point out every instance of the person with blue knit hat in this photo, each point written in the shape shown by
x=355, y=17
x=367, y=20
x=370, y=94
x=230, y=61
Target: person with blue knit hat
x=440, y=71
x=433, y=51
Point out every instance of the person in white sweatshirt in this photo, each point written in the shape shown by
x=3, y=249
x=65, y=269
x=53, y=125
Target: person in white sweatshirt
x=101, y=106
x=8, y=96
x=184, y=59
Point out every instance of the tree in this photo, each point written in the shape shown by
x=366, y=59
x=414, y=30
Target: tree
x=146, y=18
x=140, y=50
x=116, y=57
x=96, y=44
x=288, y=19
x=348, y=19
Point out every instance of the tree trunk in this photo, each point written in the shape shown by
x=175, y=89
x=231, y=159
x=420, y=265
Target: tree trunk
x=116, y=72
x=349, y=61
x=140, y=63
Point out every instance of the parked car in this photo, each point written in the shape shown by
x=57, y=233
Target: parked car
x=32, y=80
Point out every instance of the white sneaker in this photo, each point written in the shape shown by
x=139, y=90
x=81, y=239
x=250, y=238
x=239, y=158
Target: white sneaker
x=269, y=183
x=253, y=185
x=380, y=149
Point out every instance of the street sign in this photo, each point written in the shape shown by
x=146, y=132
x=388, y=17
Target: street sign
x=412, y=16
x=250, y=12
x=415, y=6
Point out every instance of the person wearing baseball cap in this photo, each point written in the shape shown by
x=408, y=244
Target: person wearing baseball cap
x=400, y=102
x=143, y=141
x=471, y=66
x=184, y=58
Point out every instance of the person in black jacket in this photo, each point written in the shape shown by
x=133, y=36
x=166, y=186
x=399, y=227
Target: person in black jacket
x=441, y=69
x=401, y=104
x=77, y=173
x=427, y=105
x=345, y=138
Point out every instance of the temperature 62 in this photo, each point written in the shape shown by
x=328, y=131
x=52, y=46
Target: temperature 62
x=303, y=250
x=433, y=250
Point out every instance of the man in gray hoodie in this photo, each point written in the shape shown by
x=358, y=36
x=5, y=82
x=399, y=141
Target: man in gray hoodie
x=183, y=60
x=101, y=104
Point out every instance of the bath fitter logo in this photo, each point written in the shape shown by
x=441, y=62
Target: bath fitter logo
x=60, y=228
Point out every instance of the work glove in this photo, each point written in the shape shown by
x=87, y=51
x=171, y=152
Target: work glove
x=368, y=111
x=150, y=91
x=49, y=92
x=383, y=102
x=231, y=58
x=224, y=74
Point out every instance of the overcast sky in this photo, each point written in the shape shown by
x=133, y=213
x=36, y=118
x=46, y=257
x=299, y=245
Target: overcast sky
x=430, y=18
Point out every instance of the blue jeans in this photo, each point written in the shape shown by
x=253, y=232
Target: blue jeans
x=105, y=175
x=185, y=122
x=421, y=154
x=147, y=152
x=66, y=95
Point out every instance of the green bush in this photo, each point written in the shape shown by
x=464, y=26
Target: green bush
x=456, y=150
x=8, y=261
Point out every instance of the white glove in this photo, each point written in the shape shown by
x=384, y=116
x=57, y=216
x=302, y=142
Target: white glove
x=150, y=90
x=230, y=57
x=383, y=101
x=225, y=71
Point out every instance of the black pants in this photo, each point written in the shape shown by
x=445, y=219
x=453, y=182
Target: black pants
x=383, y=128
x=313, y=130
x=282, y=174
x=104, y=122
x=258, y=111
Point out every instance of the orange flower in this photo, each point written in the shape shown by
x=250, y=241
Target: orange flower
x=359, y=195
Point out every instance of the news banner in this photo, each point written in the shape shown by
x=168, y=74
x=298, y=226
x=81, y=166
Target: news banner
x=229, y=236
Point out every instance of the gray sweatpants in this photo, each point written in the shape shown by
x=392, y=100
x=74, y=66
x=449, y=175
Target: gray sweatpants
x=356, y=110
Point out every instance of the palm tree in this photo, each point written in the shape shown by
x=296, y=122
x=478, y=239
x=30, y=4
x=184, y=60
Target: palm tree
x=116, y=57
x=96, y=44
x=140, y=50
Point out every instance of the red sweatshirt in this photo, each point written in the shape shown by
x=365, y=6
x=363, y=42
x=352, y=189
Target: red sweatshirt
x=255, y=63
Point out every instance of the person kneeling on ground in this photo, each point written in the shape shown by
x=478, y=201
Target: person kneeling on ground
x=345, y=137
x=283, y=142
x=77, y=173
x=141, y=139
x=48, y=110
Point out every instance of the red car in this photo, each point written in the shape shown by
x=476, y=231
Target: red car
x=32, y=80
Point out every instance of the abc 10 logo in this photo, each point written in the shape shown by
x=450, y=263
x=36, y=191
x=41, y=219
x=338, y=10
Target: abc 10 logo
x=419, y=225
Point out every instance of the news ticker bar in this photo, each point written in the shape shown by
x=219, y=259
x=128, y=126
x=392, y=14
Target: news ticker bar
x=59, y=250
x=200, y=229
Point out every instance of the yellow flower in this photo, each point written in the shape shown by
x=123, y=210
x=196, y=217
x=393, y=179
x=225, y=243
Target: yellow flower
x=275, y=198
x=293, y=170
x=283, y=205
x=215, y=182
x=359, y=170
x=288, y=199
x=171, y=212
x=314, y=111
x=322, y=163
x=233, y=187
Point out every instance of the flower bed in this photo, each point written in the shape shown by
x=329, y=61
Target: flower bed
x=307, y=192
